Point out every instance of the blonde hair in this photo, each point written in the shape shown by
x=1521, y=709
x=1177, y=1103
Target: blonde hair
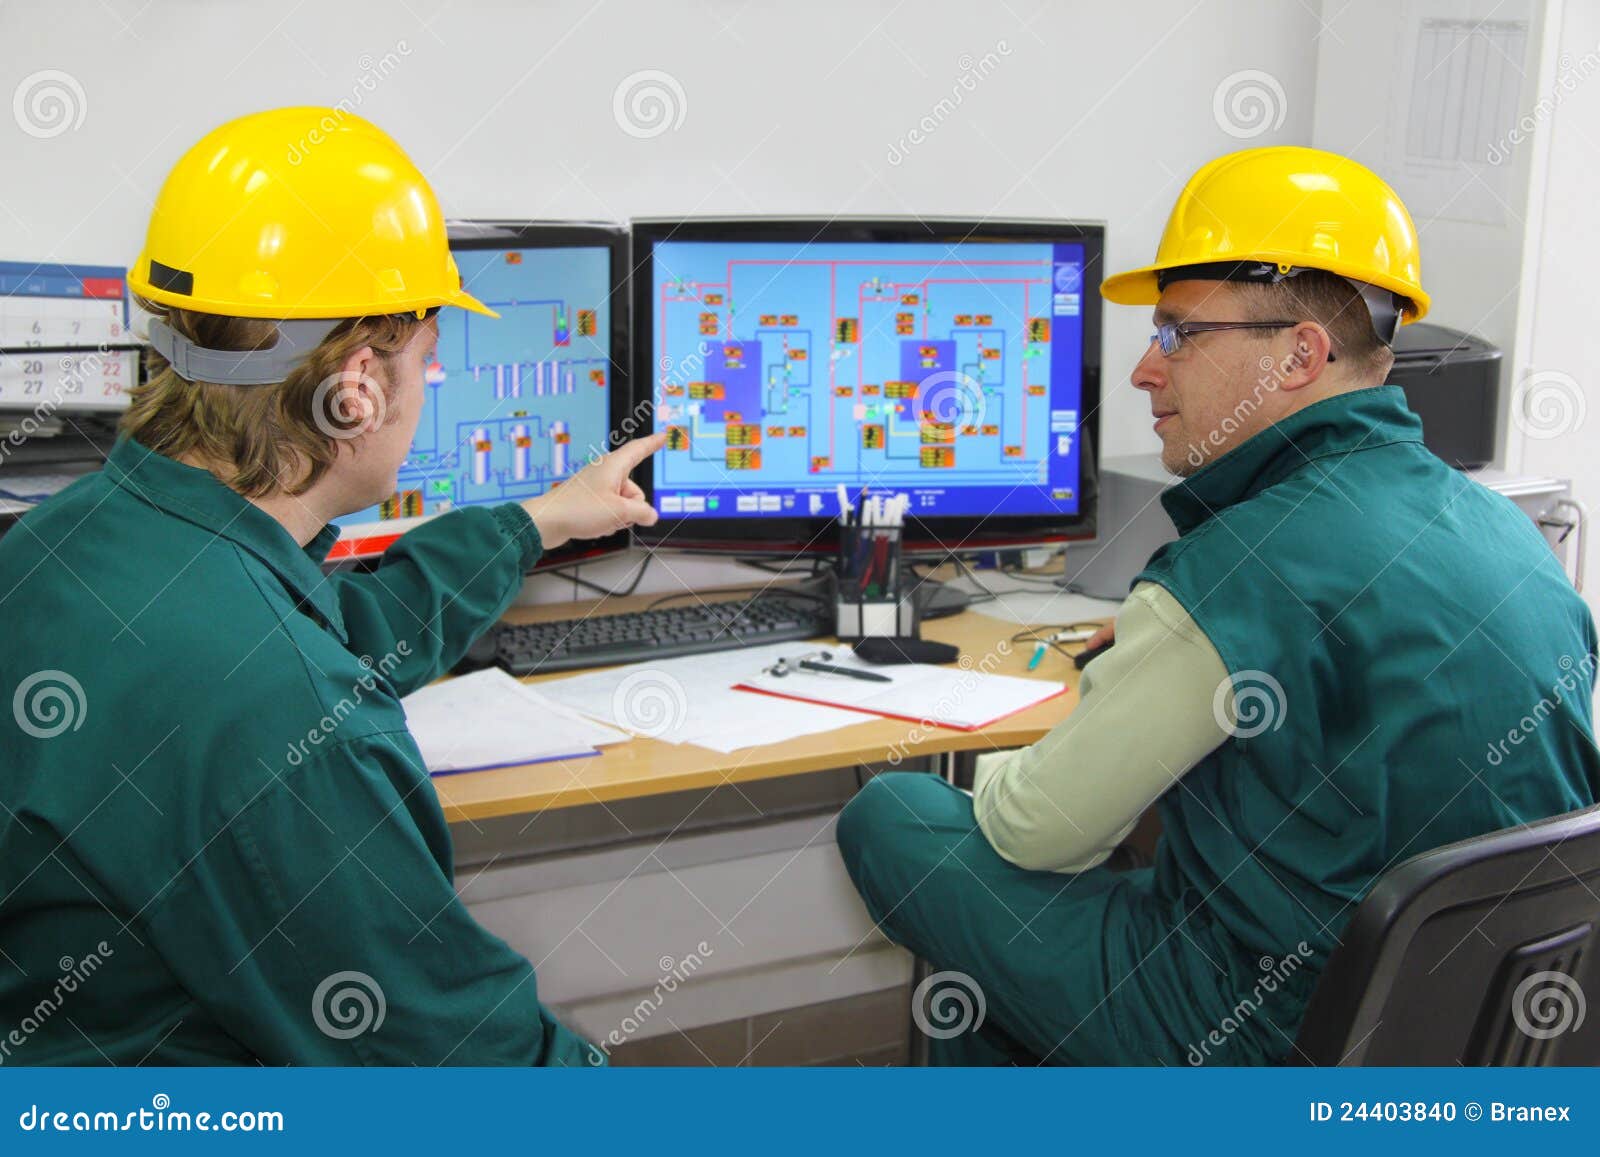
x=254, y=437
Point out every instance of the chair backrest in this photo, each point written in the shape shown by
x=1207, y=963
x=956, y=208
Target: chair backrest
x=1476, y=953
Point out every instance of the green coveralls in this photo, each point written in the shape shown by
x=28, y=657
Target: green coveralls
x=219, y=843
x=1434, y=674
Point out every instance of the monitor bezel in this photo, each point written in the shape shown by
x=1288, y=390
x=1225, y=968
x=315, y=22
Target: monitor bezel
x=816, y=535
x=477, y=234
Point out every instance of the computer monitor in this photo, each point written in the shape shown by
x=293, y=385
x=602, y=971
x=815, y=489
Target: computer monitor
x=514, y=405
x=957, y=362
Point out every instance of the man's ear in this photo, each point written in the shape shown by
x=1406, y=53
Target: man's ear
x=352, y=401
x=1308, y=358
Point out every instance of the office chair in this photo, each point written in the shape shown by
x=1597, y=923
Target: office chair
x=1476, y=953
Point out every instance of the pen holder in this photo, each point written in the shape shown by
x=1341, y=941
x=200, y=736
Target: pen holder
x=871, y=595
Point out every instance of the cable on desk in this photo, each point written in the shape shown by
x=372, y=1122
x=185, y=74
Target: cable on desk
x=782, y=568
x=922, y=577
x=751, y=590
x=988, y=595
x=596, y=587
x=1045, y=635
x=1017, y=576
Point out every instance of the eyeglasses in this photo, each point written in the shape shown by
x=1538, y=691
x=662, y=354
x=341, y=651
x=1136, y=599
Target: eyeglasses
x=1172, y=334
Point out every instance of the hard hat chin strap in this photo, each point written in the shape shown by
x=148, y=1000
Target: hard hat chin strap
x=196, y=363
x=1383, y=305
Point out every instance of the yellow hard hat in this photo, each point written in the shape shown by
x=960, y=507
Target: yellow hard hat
x=298, y=213
x=1281, y=209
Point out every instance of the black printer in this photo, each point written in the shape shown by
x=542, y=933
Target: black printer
x=1452, y=382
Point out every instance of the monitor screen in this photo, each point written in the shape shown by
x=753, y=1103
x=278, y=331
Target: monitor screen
x=951, y=362
x=515, y=404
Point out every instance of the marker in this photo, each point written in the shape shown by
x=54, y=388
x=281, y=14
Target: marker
x=830, y=669
x=1038, y=653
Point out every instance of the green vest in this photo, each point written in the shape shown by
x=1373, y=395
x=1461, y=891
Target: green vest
x=1410, y=667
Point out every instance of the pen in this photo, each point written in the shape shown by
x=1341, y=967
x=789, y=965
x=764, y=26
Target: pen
x=830, y=669
x=1038, y=653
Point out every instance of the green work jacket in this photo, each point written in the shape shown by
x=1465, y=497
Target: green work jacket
x=218, y=841
x=1410, y=666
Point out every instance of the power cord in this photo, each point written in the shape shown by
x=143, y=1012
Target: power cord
x=988, y=595
x=1017, y=576
x=782, y=568
x=752, y=590
x=604, y=592
x=1046, y=635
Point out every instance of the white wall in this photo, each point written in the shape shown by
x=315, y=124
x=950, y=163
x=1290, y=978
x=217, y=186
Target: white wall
x=1557, y=368
x=1521, y=282
x=1089, y=110
x=1472, y=269
x=1071, y=109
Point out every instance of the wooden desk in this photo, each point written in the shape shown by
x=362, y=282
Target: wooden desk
x=650, y=766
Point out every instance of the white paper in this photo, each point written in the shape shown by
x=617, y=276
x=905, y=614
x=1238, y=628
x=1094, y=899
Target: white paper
x=489, y=719
x=690, y=699
x=950, y=696
x=774, y=721
x=597, y=733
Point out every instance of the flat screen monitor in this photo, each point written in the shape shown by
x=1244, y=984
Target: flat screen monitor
x=515, y=404
x=956, y=362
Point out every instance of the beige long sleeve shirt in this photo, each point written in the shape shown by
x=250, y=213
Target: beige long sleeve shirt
x=1148, y=710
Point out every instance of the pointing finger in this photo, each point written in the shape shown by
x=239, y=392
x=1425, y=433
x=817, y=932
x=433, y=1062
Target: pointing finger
x=630, y=454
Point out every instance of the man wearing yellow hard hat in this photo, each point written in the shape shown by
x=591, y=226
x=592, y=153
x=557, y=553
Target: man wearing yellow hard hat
x=238, y=826
x=1304, y=683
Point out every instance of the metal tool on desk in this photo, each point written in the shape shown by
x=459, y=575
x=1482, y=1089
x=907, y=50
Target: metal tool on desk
x=823, y=664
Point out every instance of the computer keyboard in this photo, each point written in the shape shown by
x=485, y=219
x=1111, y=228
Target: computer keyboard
x=692, y=629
